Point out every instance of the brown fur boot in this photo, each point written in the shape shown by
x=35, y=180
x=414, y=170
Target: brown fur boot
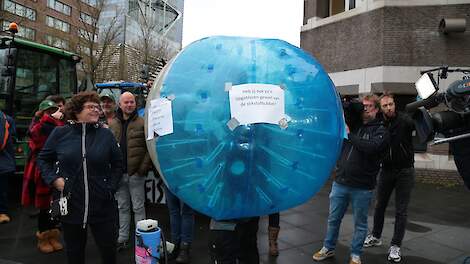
x=43, y=243
x=54, y=239
x=273, y=233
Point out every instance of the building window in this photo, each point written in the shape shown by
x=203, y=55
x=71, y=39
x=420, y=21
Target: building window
x=57, y=24
x=59, y=6
x=87, y=19
x=19, y=10
x=84, y=50
x=23, y=32
x=352, y=4
x=90, y=2
x=57, y=42
x=87, y=35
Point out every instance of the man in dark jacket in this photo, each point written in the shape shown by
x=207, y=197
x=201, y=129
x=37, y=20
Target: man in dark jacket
x=397, y=173
x=128, y=129
x=356, y=171
x=7, y=162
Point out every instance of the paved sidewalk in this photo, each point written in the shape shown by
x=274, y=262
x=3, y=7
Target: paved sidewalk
x=438, y=232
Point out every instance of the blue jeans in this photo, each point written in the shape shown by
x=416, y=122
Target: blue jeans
x=181, y=219
x=340, y=197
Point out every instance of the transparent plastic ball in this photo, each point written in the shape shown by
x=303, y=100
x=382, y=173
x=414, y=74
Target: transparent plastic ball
x=254, y=169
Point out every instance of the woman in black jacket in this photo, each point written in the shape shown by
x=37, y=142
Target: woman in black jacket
x=82, y=160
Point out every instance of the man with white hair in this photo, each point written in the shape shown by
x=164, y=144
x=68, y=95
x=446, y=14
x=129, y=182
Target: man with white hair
x=128, y=128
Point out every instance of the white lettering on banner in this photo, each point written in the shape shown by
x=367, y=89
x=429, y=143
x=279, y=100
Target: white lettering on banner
x=160, y=119
x=257, y=103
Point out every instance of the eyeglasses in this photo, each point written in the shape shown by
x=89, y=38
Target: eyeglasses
x=92, y=107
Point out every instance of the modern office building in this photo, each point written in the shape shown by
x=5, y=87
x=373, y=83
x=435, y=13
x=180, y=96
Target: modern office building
x=382, y=45
x=151, y=34
x=51, y=22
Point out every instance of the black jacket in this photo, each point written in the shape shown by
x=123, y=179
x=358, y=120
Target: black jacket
x=361, y=156
x=91, y=179
x=400, y=154
x=7, y=155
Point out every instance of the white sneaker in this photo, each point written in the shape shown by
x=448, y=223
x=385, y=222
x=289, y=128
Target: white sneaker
x=355, y=259
x=394, y=254
x=372, y=241
x=323, y=253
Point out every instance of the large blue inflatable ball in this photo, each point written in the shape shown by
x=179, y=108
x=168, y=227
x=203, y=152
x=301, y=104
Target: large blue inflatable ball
x=227, y=171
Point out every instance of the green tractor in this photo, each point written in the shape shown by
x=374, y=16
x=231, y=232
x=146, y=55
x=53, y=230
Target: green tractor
x=29, y=72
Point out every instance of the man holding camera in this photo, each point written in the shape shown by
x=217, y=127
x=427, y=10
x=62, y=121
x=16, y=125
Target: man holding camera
x=397, y=173
x=355, y=179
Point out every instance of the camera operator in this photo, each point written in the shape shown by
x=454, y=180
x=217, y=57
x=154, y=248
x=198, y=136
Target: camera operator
x=452, y=123
x=397, y=173
x=356, y=174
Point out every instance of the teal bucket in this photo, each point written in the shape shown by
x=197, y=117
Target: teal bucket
x=147, y=246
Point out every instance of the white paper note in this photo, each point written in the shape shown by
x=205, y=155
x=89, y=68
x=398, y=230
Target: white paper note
x=257, y=103
x=160, y=119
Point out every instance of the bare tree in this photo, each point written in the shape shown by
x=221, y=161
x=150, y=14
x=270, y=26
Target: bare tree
x=152, y=44
x=98, y=36
x=148, y=27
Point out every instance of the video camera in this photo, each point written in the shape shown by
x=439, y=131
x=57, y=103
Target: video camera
x=453, y=122
x=353, y=110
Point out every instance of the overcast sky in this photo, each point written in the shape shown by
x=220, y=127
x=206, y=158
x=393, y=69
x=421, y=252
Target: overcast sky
x=280, y=19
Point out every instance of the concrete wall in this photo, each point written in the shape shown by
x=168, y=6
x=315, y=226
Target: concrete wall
x=411, y=36
x=384, y=44
x=390, y=36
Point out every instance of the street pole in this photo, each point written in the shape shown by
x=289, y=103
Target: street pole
x=122, y=54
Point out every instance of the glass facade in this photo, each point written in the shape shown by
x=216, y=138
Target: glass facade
x=164, y=17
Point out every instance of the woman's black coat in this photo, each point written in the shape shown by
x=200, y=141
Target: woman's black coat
x=91, y=171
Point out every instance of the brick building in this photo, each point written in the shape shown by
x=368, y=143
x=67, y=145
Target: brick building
x=377, y=45
x=51, y=22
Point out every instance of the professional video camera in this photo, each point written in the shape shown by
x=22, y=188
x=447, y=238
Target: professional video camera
x=453, y=123
x=353, y=110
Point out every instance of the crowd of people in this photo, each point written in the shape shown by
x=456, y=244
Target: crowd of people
x=90, y=153
x=379, y=150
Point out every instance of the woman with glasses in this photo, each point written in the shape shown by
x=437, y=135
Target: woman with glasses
x=82, y=161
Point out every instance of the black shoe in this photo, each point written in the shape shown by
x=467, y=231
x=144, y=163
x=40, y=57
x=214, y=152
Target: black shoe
x=183, y=255
x=121, y=246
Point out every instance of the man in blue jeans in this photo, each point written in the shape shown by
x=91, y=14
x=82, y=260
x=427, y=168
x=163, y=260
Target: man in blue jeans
x=355, y=180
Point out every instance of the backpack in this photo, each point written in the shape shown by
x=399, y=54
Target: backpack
x=5, y=134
